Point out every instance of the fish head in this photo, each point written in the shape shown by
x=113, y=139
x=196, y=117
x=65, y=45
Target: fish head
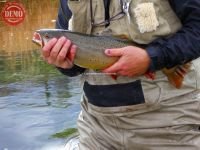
x=42, y=36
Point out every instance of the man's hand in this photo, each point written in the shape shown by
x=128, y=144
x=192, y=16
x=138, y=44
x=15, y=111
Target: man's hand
x=59, y=52
x=133, y=61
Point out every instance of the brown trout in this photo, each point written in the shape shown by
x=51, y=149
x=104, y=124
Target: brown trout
x=90, y=52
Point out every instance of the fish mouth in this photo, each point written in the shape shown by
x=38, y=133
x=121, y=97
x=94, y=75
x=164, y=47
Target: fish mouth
x=37, y=39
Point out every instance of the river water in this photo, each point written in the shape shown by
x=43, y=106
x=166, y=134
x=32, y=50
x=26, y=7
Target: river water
x=36, y=101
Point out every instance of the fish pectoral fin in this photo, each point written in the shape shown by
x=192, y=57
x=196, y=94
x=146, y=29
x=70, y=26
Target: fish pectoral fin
x=114, y=77
x=150, y=75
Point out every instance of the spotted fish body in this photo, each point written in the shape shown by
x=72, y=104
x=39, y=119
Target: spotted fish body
x=90, y=53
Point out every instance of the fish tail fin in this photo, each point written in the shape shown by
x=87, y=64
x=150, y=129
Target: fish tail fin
x=176, y=74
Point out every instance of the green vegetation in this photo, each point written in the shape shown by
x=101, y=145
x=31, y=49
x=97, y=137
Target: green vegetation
x=23, y=66
x=19, y=57
x=66, y=133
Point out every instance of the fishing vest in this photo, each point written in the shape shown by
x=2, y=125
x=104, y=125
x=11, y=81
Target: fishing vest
x=146, y=21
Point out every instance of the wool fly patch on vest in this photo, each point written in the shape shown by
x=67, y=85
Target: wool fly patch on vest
x=146, y=18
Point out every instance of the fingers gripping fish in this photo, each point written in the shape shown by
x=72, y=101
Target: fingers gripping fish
x=90, y=53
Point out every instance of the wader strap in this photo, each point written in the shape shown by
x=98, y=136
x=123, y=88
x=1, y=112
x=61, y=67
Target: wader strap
x=107, y=14
x=92, y=18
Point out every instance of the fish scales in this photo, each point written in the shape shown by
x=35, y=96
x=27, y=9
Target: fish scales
x=90, y=52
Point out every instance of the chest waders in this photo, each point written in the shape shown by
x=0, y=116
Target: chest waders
x=136, y=113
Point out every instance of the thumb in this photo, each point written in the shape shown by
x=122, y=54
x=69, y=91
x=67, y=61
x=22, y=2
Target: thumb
x=114, y=52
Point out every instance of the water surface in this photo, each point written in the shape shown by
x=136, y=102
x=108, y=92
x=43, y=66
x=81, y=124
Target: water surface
x=36, y=101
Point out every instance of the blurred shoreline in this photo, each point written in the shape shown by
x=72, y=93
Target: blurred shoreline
x=39, y=14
